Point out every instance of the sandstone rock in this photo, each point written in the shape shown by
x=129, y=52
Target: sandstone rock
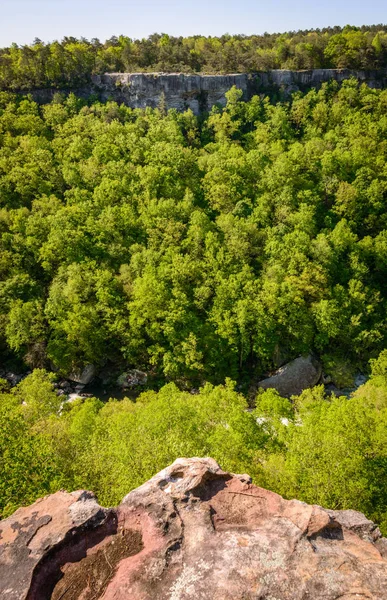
x=357, y=522
x=85, y=376
x=381, y=545
x=192, y=532
x=291, y=379
x=35, y=541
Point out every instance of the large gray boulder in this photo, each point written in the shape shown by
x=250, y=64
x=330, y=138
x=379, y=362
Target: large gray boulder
x=294, y=377
x=85, y=376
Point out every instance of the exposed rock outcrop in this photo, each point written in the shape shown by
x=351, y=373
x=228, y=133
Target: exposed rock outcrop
x=193, y=531
x=84, y=376
x=201, y=92
x=294, y=377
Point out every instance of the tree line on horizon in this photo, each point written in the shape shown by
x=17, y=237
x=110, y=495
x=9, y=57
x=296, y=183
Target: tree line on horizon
x=72, y=62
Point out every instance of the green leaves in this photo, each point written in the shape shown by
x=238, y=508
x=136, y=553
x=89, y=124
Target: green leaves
x=84, y=309
x=72, y=62
x=196, y=248
x=329, y=451
x=323, y=450
x=26, y=324
x=130, y=442
x=27, y=462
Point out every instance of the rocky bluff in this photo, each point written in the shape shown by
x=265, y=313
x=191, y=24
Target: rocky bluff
x=201, y=92
x=193, y=531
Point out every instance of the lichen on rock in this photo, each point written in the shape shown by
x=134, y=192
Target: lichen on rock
x=192, y=531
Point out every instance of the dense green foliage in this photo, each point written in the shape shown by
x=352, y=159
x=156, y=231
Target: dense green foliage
x=72, y=62
x=320, y=449
x=116, y=446
x=197, y=248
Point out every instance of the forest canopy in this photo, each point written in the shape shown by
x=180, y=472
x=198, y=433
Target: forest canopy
x=71, y=62
x=196, y=248
x=205, y=250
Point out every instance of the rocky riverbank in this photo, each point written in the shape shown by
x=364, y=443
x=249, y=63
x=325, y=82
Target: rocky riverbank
x=111, y=382
x=88, y=382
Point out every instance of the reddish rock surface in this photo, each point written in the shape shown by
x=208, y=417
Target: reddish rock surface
x=191, y=532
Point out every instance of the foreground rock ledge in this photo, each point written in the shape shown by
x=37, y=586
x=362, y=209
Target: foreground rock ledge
x=191, y=532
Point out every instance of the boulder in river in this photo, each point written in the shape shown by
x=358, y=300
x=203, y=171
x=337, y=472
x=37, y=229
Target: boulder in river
x=83, y=376
x=294, y=377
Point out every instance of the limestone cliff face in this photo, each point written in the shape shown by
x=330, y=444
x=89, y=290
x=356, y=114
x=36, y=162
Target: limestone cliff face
x=201, y=92
x=192, y=532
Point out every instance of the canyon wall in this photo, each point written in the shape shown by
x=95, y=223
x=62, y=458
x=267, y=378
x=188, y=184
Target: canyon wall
x=201, y=92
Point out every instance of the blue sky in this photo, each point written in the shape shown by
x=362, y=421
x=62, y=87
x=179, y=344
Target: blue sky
x=23, y=20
